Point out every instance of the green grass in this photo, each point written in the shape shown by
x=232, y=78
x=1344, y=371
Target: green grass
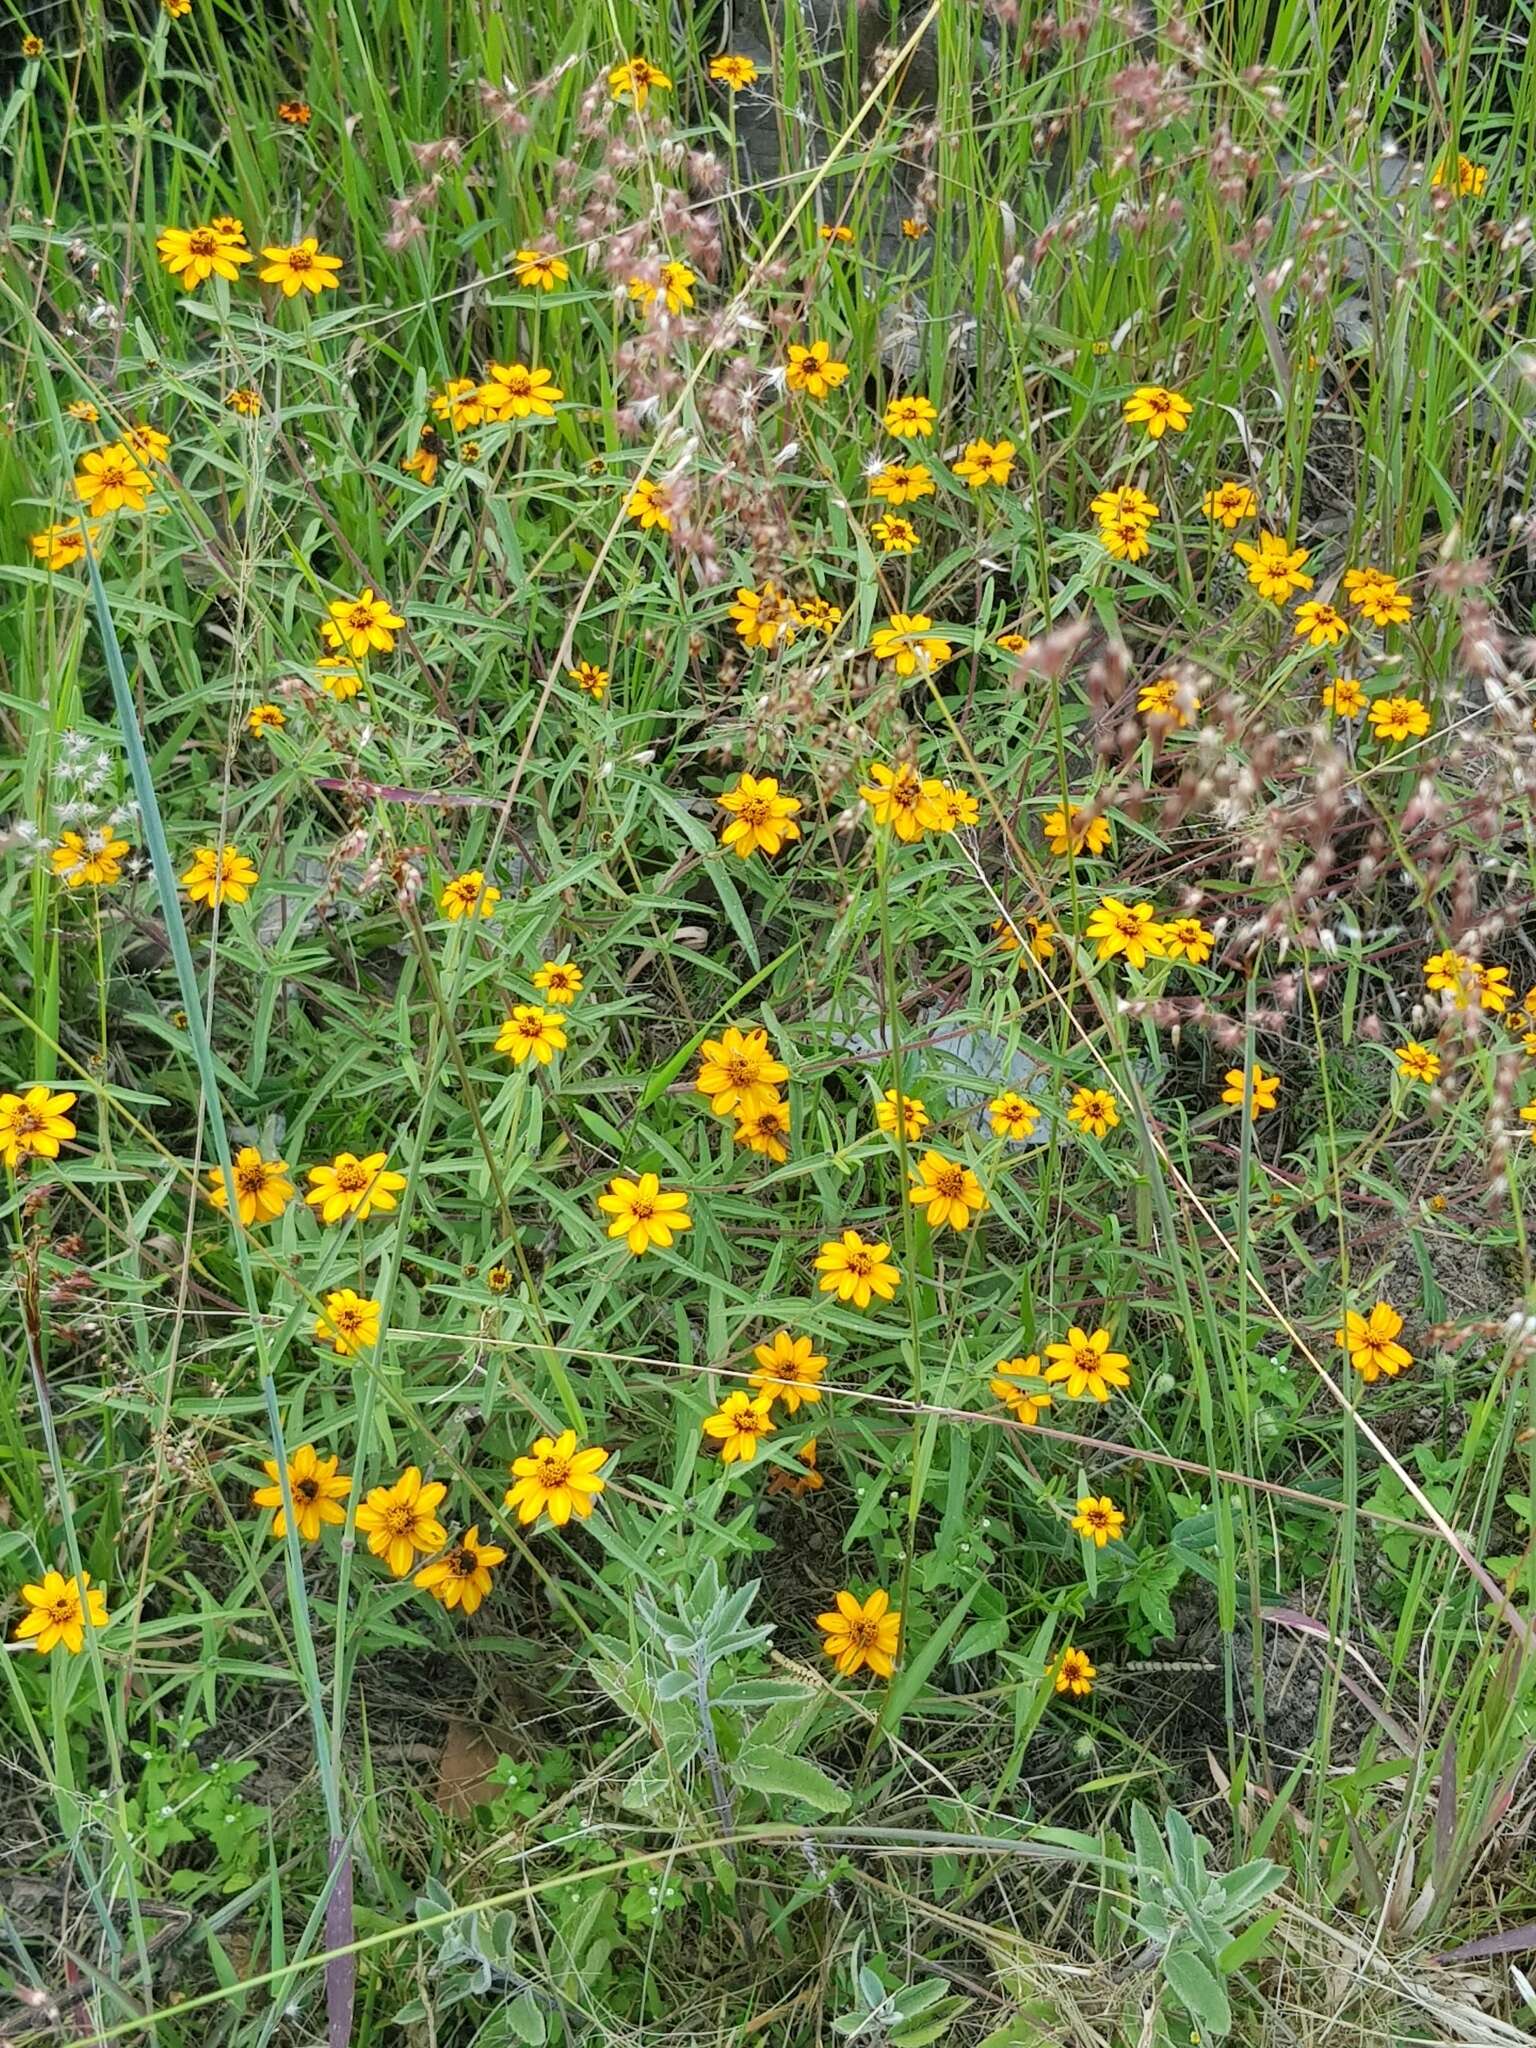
x=229, y=1816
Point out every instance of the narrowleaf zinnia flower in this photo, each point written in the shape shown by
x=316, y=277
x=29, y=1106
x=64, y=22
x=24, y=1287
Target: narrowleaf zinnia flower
x=739, y=1072
x=559, y=982
x=556, y=1479
x=788, y=1371
x=1274, y=566
x=906, y=642
x=350, y=1323
x=901, y=483
x=644, y=1213
x=907, y=1109
x=900, y=798
x=813, y=369
x=513, y=391
x=647, y=505
x=739, y=1425
x=764, y=617
x=1186, y=938
x=1157, y=409
x=220, y=874
x=92, y=859
x=59, y=546
x=1098, y=1520
x=317, y=1487
x=362, y=625
x=401, y=1520
x=636, y=79
x=985, y=462
x=765, y=1132
x=947, y=1191
x=1072, y=831
x=33, y=1125
x=538, y=270
x=910, y=418
x=262, y=1187
x=1398, y=719
x=856, y=1269
x=1130, y=929
x=1093, y=1110
x=860, y=1632
x=1013, y=1116
x=1016, y=1383
x=532, y=1032
x=56, y=1613
x=1371, y=1342
x=733, y=71
x=591, y=679
x=111, y=480
x=193, y=255
x=1257, y=1093
x=350, y=1186
x=761, y=820
x=468, y=895
x=1074, y=1673
x=1124, y=501
x=1085, y=1366
x=1229, y=503
x=462, y=1576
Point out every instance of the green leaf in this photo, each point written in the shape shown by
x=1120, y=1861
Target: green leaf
x=1198, y=1991
x=1242, y=1949
x=761, y=1769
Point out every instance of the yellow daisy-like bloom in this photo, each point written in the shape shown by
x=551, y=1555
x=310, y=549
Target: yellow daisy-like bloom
x=350, y=1323
x=1229, y=503
x=1493, y=989
x=193, y=255
x=857, y=1269
x=819, y=616
x=1344, y=697
x=947, y=1190
x=56, y=1613
x=467, y=895
x=913, y=229
x=897, y=536
x=513, y=391
x=337, y=677
x=1016, y=1383
x=765, y=1132
x=81, y=409
x=736, y=72
x=902, y=483
x=1074, y=1673
x=1157, y=409
x=1378, y=596
x=1399, y=718
x=909, y=418
x=1274, y=566
x=1085, y=1366
x=1098, y=1520
x=422, y=463
x=907, y=1110
x=1186, y=938
x=1257, y=1094
x=956, y=807
x=1072, y=831
x=739, y=1072
x=1371, y=1342
x=91, y=859
x=363, y=625
x=350, y=1186
x=587, y=676
x=1094, y=1111
x=764, y=617
x=532, y=1032
x=636, y=80
x=147, y=442
x=32, y=48
x=860, y=1633
x=110, y=479
x=788, y=1370
x=557, y=1480
x=838, y=233
x=1453, y=974
x=1013, y=1116
x=317, y=1489
x=265, y=718
x=985, y=462
x=1130, y=929
x=401, y=1520
x=900, y=798
x=1124, y=501
x=1125, y=539
x=647, y=505
x=220, y=874
x=301, y=267
x=760, y=819
x=539, y=271
x=1319, y=624
x=296, y=113
x=905, y=641
x=813, y=369
x=645, y=1213
x=462, y=1576
x=459, y=403
x=739, y=1425
x=244, y=401
x=1469, y=179
x=559, y=982
x=59, y=546
x=33, y=1125
x=1169, y=699
x=262, y=1187
x=675, y=286
x=1419, y=1062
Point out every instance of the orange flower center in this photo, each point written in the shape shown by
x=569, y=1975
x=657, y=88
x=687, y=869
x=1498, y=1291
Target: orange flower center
x=203, y=242
x=859, y=1263
x=349, y=1321
x=306, y=1490
x=519, y=383
x=351, y=1179
x=641, y=1210
x=113, y=479
x=754, y=811
x=463, y=1562
x=950, y=1183
x=553, y=1472
x=251, y=1179
x=300, y=262
x=64, y=1610
x=400, y=1518
x=360, y=618
x=26, y=1123
x=863, y=1633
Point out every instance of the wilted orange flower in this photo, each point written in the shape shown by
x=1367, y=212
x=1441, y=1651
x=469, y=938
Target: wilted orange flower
x=295, y=113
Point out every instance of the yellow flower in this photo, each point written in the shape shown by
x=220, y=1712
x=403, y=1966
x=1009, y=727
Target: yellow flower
x=265, y=718
x=1399, y=718
x=1124, y=501
x=111, y=480
x=1370, y=1342
x=337, y=677
x=645, y=1213
x=956, y=807
x=897, y=536
x=459, y=403
x=362, y=625
x=401, y=1520
x=907, y=1109
x=61, y=545
x=533, y=1031
x=1257, y=1098
x=1319, y=624
x=739, y=1073
x=192, y=255
x=244, y=400
x=559, y=982
x=676, y=287
x=813, y=369
x=301, y=267
x=1454, y=974
x=910, y=418
x=220, y=874
x=499, y=1278
x=1098, y=1521
x=902, y=483
x=862, y=1632
x=1419, y=1062
x=1157, y=409
x=1229, y=503
x=1170, y=699
x=838, y=233
x=422, y=462
x=636, y=80
x=1125, y=539
x=1493, y=989
x=1013, y=1116
x=1012, y=643
x=296, y=113
x=1470, y=179
x=760, y=820
x=647, y=503
x=513, y=391
x=1186, y=938
x=262, y=1187
x=905, y=642
x=913, y=229
x=764, y=616
x=462, y=1577
x=736, y=72
x=738, y=1425
x=93, y=858
x=146, y=442
x=56, y=1613
x=557, y=1480
x=1016, y=1383
x=948, y=1191
x=81, y=409
x=1040, y=937
x=33, y=1125
x=985, y=462
x=856, y=1269
x=468, y=896
x=1131, y=929
x=1085, y=1365
x=350, y=1186
x=1274, y=566
x=818, y=616
x=32, y=48
x=765, y=1132
x=788, y=1371
x=587, y=676
x=899, y=797
x=1378, y=596
x=1074, y=1673
x=537, y=270
x=1071, y=831
x=1344, y=697
x=1093, y=1110
x=317, y=1489
x=350, y=1323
